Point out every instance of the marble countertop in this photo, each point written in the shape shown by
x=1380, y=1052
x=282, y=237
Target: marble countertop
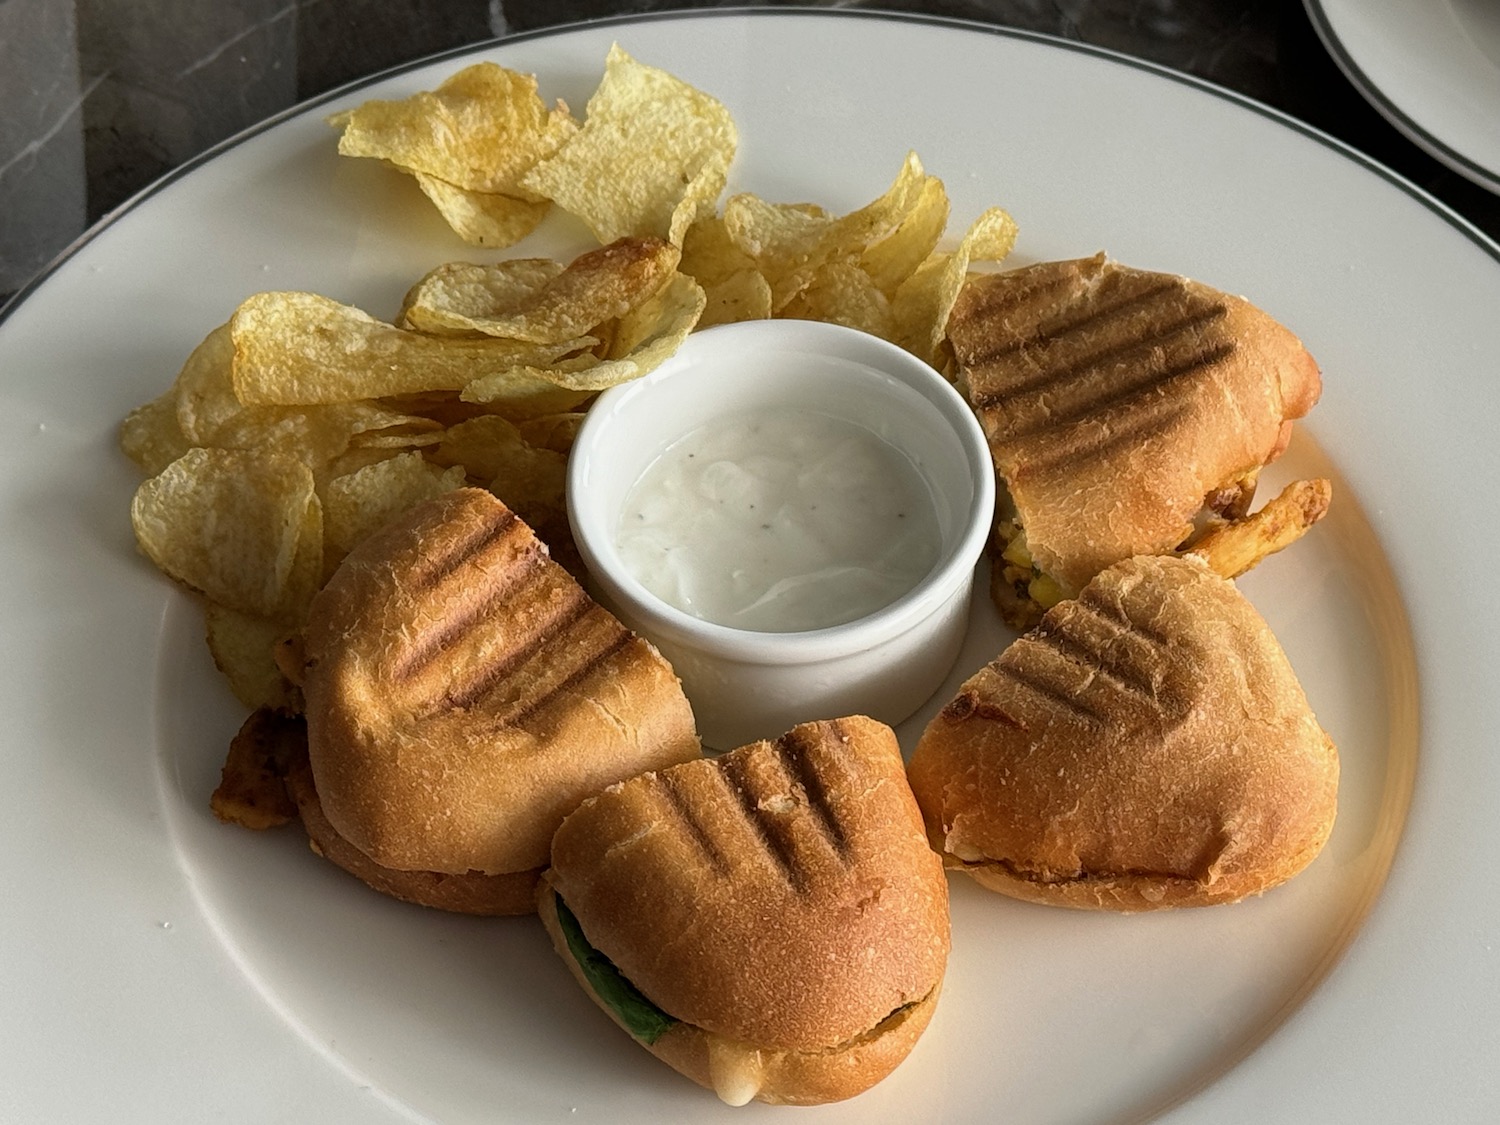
x=98, y=98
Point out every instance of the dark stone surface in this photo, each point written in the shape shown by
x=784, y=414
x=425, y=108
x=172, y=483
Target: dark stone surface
x=98, y=98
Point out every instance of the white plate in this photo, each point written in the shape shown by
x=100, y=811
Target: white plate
x=1432, y=69
x=159, y=966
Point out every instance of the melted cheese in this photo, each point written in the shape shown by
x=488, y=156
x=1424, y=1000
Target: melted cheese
x=735, y=1070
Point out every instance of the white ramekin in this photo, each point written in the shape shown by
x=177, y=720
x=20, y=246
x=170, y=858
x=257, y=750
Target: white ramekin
x=746, y=685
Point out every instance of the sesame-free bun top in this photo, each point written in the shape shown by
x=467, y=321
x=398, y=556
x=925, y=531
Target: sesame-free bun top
x=1147, y=745
x=463, y=693
x=1116, y=399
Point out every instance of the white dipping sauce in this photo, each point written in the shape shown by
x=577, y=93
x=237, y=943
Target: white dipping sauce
x=779, y=521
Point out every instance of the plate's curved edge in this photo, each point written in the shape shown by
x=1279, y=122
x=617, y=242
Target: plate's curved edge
x=1425, y=198
x=1408, y=127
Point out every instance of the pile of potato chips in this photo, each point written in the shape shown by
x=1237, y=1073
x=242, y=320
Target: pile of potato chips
x=302, y=425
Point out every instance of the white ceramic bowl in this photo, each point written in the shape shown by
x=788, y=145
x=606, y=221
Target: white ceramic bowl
x=746, y=685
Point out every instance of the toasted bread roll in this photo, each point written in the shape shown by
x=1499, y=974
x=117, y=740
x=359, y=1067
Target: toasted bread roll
x=778, y=906
x=1117, y=402
x=1146, y=746
x=464, y=694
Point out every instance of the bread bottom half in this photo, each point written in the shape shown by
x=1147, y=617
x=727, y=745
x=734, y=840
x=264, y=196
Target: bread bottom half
x=1131, y=891
x=741, y=1072
x=471, y=893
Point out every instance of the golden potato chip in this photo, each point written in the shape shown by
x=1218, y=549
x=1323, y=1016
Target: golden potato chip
x=150, y=435
x=448, y=299
x=644, y=337
x=495, y=451
x=652, y=156
x=359, y=504
x=842, y=293
x=894, y=258
x=597, y=286
x=482, y=130
x=298, y=349
x=242, y=648
x=483, y=218
x=709, y=255
x=745, y=295
x=318, y=434
x=237, y=526
x=205, y=388
x=791, y=242
x=552, y=431
x=924, y=300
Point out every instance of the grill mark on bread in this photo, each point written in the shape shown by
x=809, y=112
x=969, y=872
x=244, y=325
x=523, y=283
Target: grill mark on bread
x=1076, y=317
x=492, y=526
x=1100, y=442
x=773, y=843
x=489, y=589
x=1136, y=392
x=1114, y=613
x=1155, y=336
x=977, y=322
x=1060, y=695
x=795, y=754
x=484, y=679
x=1127, y=675
x=568, y=683
x=682, y=810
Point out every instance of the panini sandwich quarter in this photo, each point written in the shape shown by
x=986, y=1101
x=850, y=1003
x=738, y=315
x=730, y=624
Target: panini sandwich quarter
x=463, y=694
x=1120, y=406
x=771, y=923
x=1147, y=745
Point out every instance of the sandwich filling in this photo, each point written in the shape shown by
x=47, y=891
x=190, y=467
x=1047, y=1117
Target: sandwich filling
x=641, y=1018
x=736, y=1069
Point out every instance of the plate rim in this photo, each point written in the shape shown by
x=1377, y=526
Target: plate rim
x=1404, y=123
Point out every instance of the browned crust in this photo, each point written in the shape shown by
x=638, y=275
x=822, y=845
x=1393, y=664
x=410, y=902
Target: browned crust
x=468, y=893
x=788, y=1076
x=252, y=789
x=464, y=694
x=782, y=895
x=1115, y=400
x=1148, y=745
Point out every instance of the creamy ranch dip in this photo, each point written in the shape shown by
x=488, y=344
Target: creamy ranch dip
x=779, y=521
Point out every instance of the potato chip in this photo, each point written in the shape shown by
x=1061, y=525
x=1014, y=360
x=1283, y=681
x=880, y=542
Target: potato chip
x=652, y=156
x=842, y=293
x=791, y=242
x=205, y=388
x=298, y=349
x=448, y=299
x=242, y=647
x=644, y=338
x=483, y=218
x=597, y=286
x=709, y=255
x=925, y=299
x=894, y=258
x=745, y=295
x=318, y=434
x=528, y=479
x=482, y=130
x=359, y=504
x=237, y=526
x=150, y=435
x=552, y=431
